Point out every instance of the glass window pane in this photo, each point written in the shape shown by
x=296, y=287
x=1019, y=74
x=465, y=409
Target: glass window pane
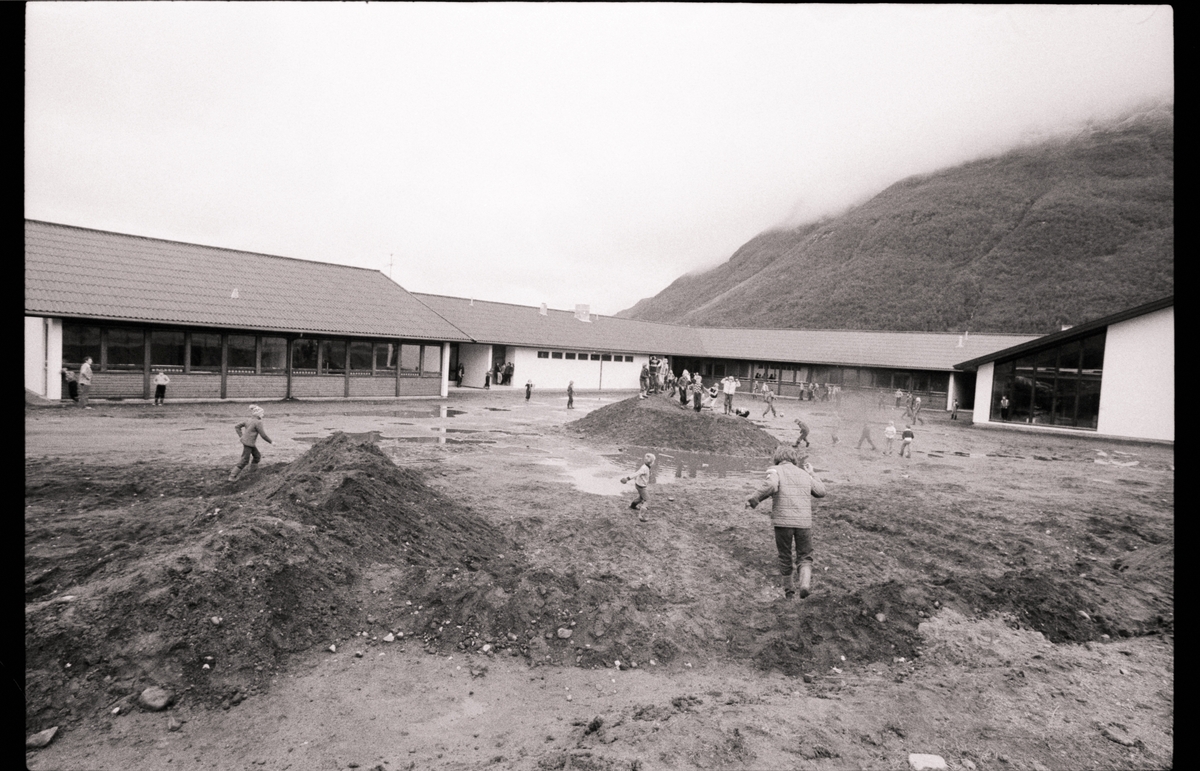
x=1088, y=410
x=361, y=356
x=79, y=342
x=333, y=357
x=166, y=348
x=543, y=354
x=606, y=357
x=304, y=356
x=431, y=358
x=570, y=355
x=1093, y=353
x=1064, y=400
x=206, y=351
x=126, y=349
x=385, y=357
x=410, y=358
x=242, y=352
x=556, y=354
x=274, y=354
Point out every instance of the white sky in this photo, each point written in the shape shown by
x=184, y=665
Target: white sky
x=529, y=153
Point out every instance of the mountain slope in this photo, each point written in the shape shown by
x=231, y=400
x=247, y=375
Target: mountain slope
x=1057, y=233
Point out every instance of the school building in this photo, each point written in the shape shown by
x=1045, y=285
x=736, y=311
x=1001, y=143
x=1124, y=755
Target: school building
x=228, y=324
x=1114, y=376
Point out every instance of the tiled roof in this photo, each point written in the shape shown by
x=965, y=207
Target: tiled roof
x=77, y=272
x=902, y=350
x=523, y=325
x=501, y=323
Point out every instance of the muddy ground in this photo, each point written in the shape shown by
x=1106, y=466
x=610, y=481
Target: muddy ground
x=388, y=589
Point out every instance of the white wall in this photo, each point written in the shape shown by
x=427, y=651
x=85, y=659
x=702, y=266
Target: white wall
x=587, y=374
x=1137, y=392
x=445, y=389
x=982, y=410
x=476, y=360
x=43, y=356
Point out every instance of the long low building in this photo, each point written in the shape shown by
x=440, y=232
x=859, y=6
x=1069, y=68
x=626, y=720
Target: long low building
x=221, y=323
x=227, y=324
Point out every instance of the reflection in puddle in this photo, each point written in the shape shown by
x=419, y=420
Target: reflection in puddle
x=677, y=465
x=377, y=438
x=498, y=409
x=604, y=478
x=427, y=412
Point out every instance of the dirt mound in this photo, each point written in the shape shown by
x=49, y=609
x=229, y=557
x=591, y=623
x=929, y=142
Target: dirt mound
x=659, y=422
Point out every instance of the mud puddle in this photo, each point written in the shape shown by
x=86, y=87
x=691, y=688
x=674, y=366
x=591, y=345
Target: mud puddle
x=428, y=412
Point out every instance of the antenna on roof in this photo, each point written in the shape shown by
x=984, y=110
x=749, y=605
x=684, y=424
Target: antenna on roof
x=542, y=312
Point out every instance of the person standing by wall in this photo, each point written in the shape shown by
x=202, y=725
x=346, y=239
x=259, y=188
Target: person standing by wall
x=72, y=384
x=791, y=484
x=85, y=382
x=1004, y=407
x=160, y=387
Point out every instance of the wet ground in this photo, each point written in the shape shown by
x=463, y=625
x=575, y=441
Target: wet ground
x=1003, y=600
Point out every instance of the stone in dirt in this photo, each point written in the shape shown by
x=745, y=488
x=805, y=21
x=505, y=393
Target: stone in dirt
x=920, y=762
x=155, y=699
x=41, y=738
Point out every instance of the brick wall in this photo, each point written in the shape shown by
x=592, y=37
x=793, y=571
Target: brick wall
x=116, y=385
x=195, y=385
x=318, y=385
x=254, y=387
x=421, y=386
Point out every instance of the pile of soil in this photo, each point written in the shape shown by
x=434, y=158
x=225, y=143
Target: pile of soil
x=660, y=422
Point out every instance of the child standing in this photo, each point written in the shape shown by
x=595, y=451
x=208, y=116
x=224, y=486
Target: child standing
x=528, y=389
x=641, y=481
x=697, y=391
x=889, y=434
x=248, y=432
x=906, y=440
x=571, y=395
x=72, y=384
x=160, y=387
x=954, y=411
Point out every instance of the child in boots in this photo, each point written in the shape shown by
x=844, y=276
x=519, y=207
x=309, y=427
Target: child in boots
x=641, y=481
x=248, y=432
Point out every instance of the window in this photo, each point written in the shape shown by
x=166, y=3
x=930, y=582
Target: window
x=543, y=354
x=80, y=342
x=274, y=354
x=605, y=357
x=126, y=349
x=431, y=359
x=166, y=348
x=596, y=357
x=206, y=352
x=333, y=357
x=410, y=358
x=362, y=356
x=242, y=352
x=304, y=356
x=570, y=355
x=556, y=355
x=1058, y=386
x=628, y=358
x=385, y=357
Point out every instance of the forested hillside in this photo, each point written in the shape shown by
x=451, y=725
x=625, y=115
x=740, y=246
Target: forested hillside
x=1058, y=233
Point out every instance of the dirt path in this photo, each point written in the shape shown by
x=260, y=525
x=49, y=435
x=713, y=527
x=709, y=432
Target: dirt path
x=952, y=584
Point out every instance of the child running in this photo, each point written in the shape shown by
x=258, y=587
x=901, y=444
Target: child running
x=641, y=481
x=248, y=432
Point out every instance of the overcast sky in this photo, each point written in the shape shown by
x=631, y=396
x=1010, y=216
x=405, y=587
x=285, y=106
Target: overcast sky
x=529, y=153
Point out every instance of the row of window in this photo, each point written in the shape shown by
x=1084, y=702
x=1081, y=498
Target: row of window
x=583, y=356
x=860, y=377
x=124, y=348
x=1057, y=386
